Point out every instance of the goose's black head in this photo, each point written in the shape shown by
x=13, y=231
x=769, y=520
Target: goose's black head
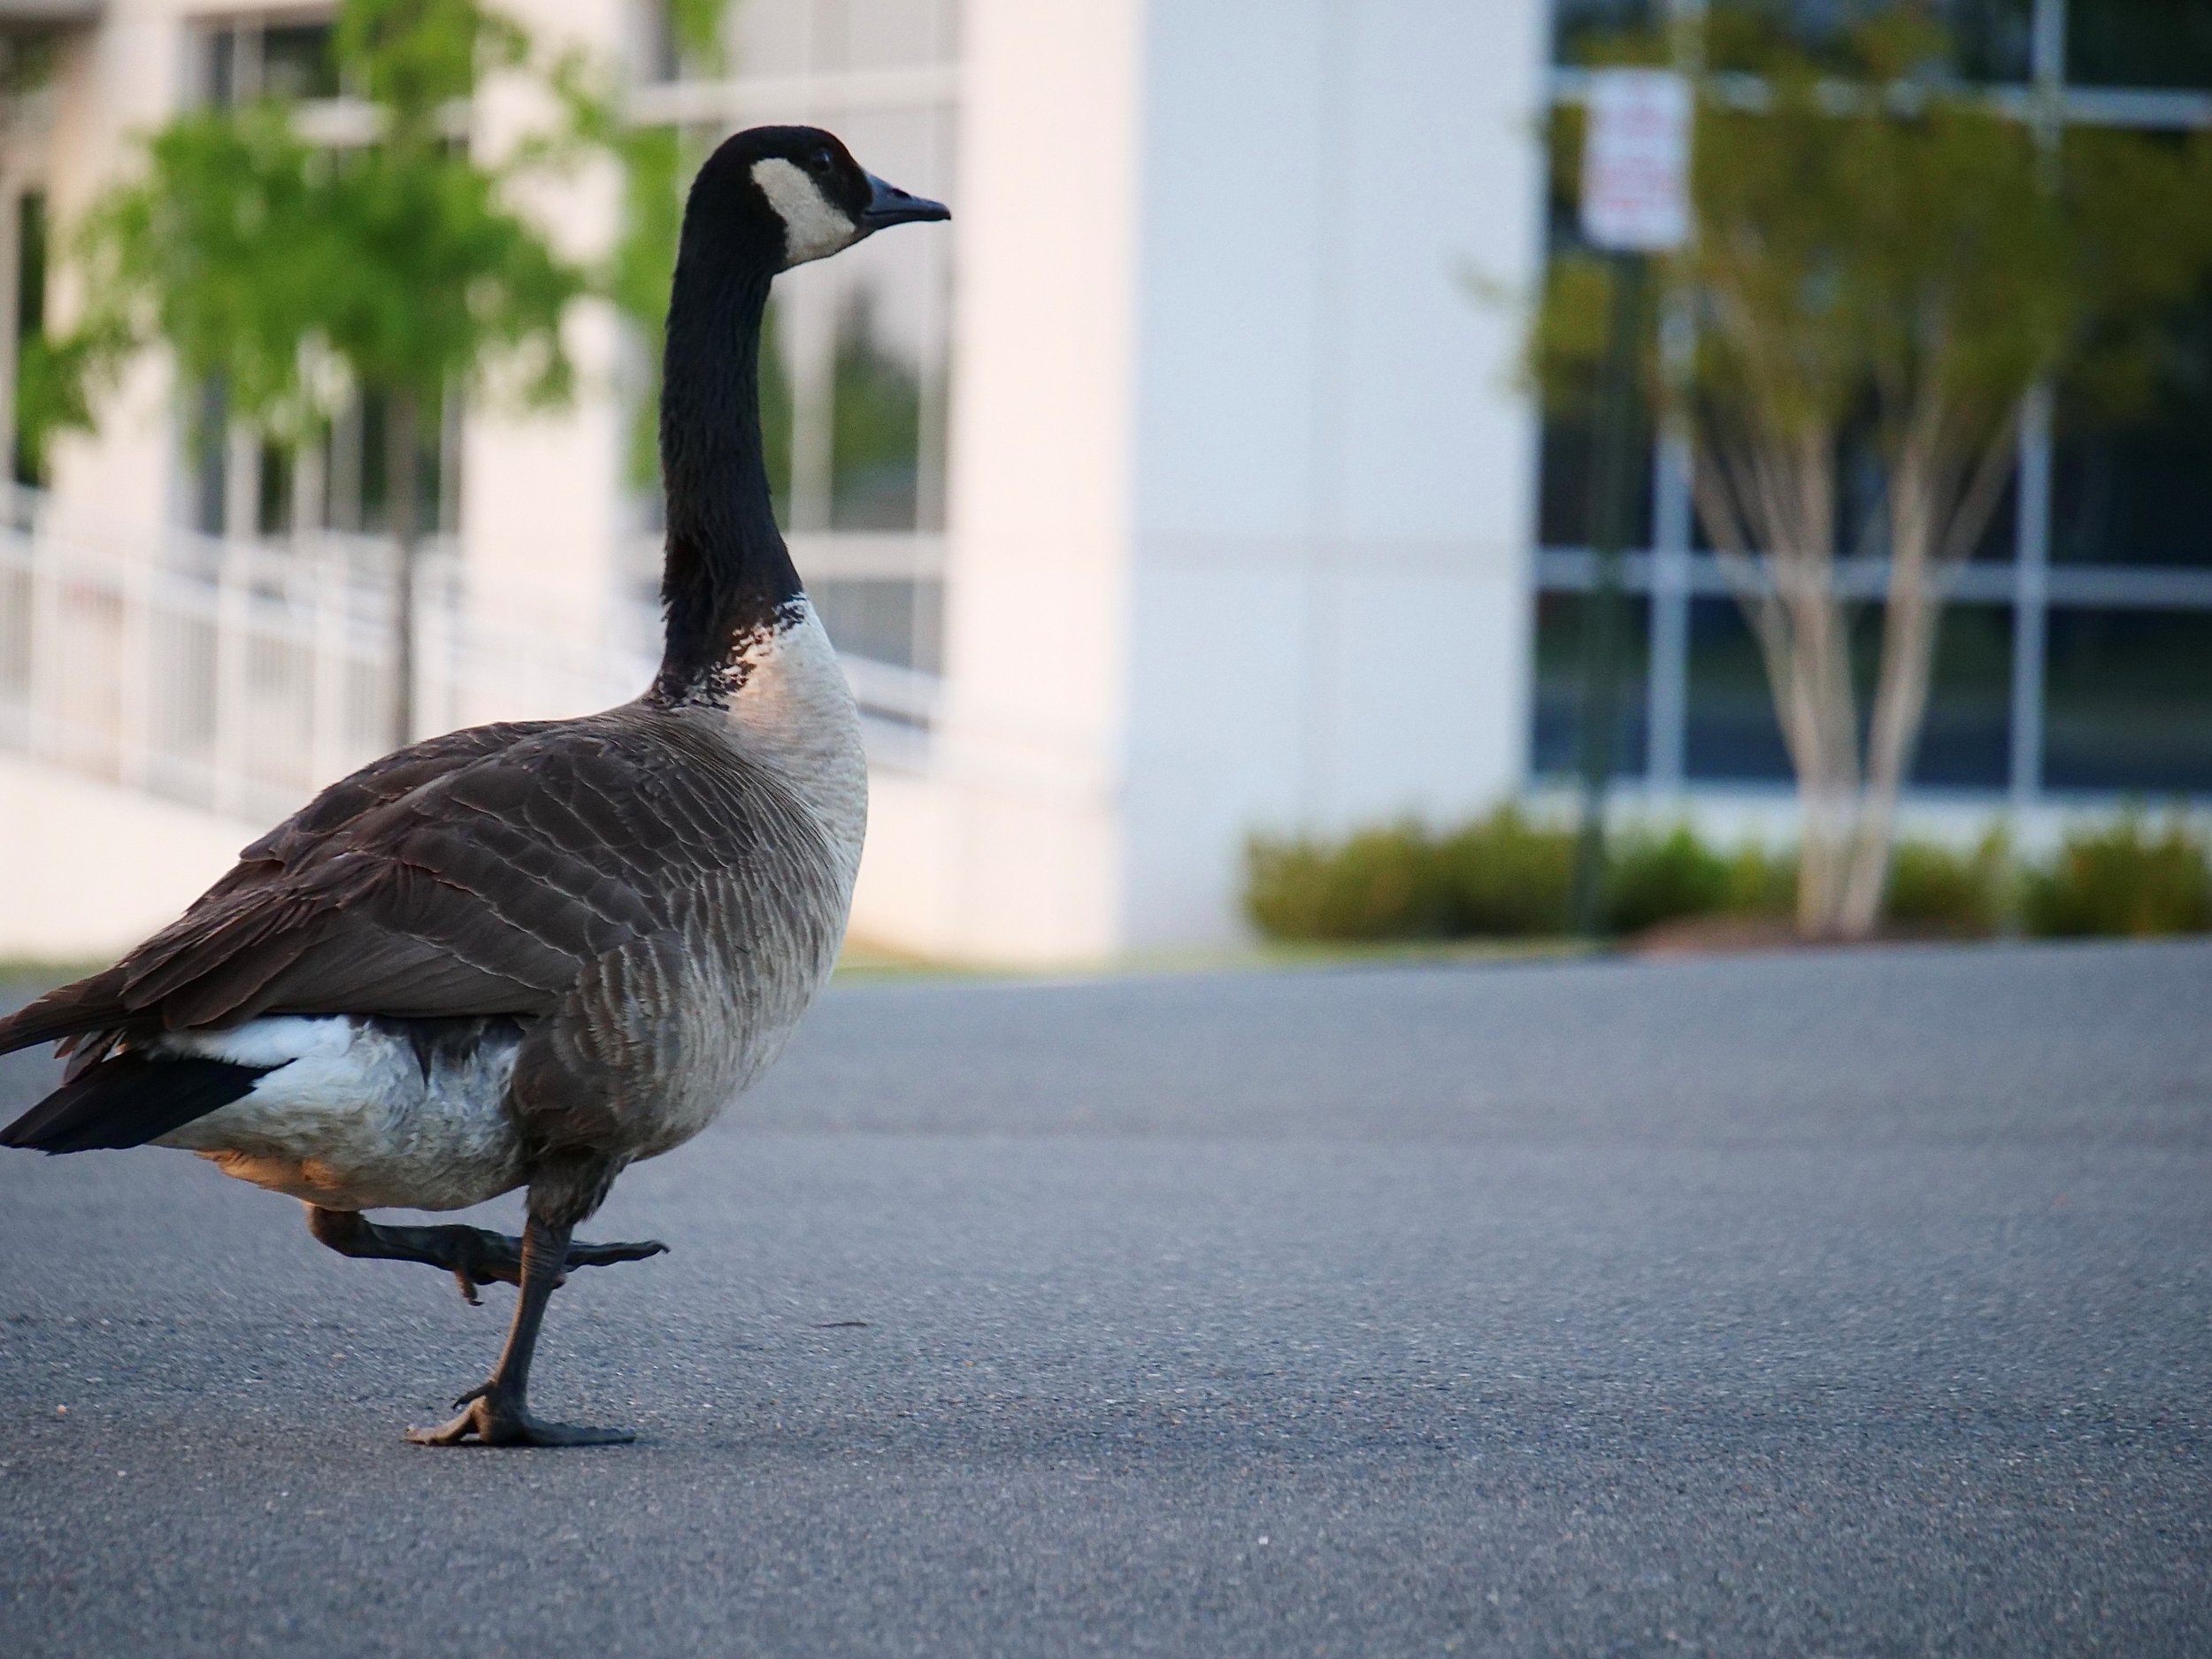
x=791, y=193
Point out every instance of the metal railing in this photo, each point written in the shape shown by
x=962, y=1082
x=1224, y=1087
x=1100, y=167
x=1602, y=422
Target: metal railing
x=241, y=676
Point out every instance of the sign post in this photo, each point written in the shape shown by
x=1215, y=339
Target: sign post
x=1635, y=202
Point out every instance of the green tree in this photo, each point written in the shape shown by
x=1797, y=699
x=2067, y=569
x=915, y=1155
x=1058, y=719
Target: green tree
x=297, y=275
x=1885, y=257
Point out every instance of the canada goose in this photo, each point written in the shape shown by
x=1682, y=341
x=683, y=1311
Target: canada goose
x=527, y=954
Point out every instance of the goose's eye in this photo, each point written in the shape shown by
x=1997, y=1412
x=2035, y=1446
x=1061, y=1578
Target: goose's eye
x=824, y=161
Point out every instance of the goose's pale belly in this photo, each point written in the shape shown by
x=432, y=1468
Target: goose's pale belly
x=356, y=1117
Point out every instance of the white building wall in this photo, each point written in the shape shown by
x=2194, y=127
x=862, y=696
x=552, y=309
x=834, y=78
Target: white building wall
x=1241, y=490
x=1008, y=844
x=1334, y=495
x=94, y=868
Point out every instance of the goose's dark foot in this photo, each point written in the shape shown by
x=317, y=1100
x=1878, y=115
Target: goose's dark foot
x=497, y=1412
x=474, y=1256
x=492, y=1421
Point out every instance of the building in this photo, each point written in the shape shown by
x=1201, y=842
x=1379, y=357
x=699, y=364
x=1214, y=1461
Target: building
x=1183, y=489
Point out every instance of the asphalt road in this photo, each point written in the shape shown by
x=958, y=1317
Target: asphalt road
x=1852, y=1304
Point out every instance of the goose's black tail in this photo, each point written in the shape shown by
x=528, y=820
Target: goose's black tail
x=129, y=1099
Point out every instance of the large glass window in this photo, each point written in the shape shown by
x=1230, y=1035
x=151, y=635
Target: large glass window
x=2139, y=492
x=2128, y=701
x=1990, y=39
x=2160, y=43
x=1965, y=742
x=1561, y=621
x=2097, y=546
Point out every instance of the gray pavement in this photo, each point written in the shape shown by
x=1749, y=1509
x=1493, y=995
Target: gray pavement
x=1847, y=1305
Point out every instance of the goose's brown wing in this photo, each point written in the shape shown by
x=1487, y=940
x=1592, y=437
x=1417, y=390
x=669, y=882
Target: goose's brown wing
x=479, y=873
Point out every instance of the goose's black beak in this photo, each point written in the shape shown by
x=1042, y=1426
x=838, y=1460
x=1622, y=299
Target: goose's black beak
x=887, y=204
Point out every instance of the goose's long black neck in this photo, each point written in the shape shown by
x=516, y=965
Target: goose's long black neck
x=728, y=573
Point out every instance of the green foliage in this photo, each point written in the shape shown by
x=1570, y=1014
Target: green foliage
x=2124, y=878
x=1871, y=226
x=1761, y=883
x=1651, y=878
x=697, y=24
x=1505, y=877
x=1944, y=889
x=415, y=57
x=1381, y=884
x=296, y=274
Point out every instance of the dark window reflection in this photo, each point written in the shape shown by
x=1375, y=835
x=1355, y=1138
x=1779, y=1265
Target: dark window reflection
x=299, y=60
x=1967, y=740
x=1564, y=481
x=1557, y=714
x=2141, y=493
x=2128, y=701
x=2139, y=43
x=1990, y=38
x=1578, y=25
x=1731, y=733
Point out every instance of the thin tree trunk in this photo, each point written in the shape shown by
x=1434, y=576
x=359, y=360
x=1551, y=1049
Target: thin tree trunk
x=1929, y=533
x=1909, y=617
x=403, y=477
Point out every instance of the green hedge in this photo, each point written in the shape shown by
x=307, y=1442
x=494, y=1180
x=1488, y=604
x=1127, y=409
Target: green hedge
x=2125, y=879
x=1507, y=876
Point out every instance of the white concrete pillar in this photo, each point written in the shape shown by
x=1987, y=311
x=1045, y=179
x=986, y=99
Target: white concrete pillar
x=1008, y=847
x=1333, y=492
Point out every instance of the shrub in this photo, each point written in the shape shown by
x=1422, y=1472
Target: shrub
x=1940, y=887
x=2123, y=879
x=1651, y=878
x=1503, y=876
x=1506, y=876
x=1381, y=884
x=1761, y=883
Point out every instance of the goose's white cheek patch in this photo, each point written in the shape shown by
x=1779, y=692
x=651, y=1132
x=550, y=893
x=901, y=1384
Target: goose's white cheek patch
x=813, y=227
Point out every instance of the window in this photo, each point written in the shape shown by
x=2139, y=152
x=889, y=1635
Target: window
x=2158, y=44
x=245, y=58
x=30, y=311
x=1990, y=39
x=2101, y=546
x=774, y=38
x=1965, y=742
x=2129, y=701
x=2139, y=492
x=1561, y=618
x=240, y=485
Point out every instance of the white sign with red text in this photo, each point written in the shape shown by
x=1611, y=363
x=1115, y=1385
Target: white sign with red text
x=1636, y=161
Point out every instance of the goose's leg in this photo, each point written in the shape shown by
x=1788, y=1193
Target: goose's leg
x=498, y=1412
x=474, y=1256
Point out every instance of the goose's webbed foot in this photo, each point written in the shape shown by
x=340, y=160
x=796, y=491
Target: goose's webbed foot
x=498, y=1413
x=494, y=1419
x=474, y=1256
